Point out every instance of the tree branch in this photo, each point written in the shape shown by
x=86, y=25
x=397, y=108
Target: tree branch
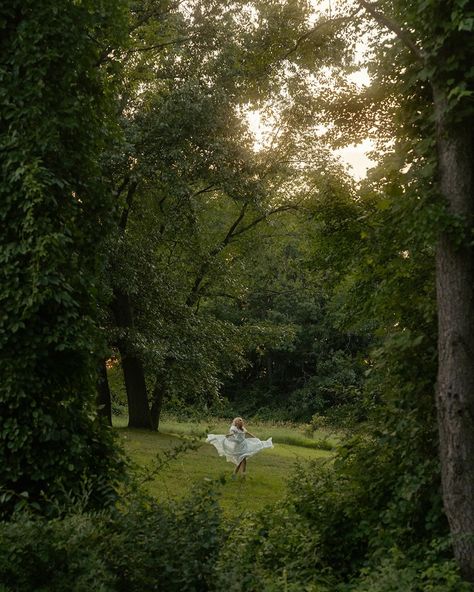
x=122, y=186
x=158, y=45
x=265, y=216
x=203, y=270
x=231, y=234
x=207, y=189
x=393, y=26
x=128, y=204
x=232, y=230
x=307, y=35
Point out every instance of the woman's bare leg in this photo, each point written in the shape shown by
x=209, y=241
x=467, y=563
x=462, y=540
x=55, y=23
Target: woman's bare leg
x=236, y=470
x=241, y=466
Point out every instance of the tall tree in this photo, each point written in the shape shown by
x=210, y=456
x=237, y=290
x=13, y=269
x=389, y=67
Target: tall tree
x=421, y=102
x=55, y=120
x=439, y=37
x=188, y=80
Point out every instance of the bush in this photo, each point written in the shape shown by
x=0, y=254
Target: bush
x=166, y=548
x=324, y=537
x=270, y=552
x=399, y=573
x=144, y=546
x=185, y=547
x=39, y=555
x=371, y=498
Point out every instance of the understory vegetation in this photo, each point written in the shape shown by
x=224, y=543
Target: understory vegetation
x=308, y=541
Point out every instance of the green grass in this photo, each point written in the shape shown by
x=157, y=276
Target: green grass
x=294, y=435
x=267, y=472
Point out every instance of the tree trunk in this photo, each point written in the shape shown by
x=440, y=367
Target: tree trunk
x=160, y=391
x=157, y=404
x=455, y=299
x=269, y=364
x=134, y=375
x=103, y=394
x=137, y=398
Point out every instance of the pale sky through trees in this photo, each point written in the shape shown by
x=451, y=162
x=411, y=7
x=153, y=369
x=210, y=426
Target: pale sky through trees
x=353, y=155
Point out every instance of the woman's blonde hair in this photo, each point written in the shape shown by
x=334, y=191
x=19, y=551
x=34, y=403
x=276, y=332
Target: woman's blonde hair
x=237, y=419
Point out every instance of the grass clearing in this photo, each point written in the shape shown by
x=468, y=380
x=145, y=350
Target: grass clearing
x=294, y=435
x=267, y=472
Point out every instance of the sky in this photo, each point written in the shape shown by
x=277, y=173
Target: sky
x=355, y=157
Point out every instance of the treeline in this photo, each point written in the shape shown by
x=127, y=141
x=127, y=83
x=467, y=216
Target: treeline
x=205, y=216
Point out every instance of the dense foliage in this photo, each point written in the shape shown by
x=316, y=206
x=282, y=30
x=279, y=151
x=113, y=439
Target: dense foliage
x=54, y=209
x=308, y=363
x=187, y=546
x=145, y=546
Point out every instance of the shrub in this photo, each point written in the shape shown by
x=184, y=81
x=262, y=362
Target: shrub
x=39, y=555
x=398, y=573
x=142, y=546
x=270, y=552
x=166, y=548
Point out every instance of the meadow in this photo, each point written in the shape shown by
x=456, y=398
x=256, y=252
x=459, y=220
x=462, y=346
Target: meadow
x=267, y=472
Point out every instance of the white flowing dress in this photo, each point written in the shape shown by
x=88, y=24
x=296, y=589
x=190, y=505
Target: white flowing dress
x=237, y=447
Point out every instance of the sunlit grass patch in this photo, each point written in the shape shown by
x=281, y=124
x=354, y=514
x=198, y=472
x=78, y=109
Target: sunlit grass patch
x=293, y=435
x=267, y=472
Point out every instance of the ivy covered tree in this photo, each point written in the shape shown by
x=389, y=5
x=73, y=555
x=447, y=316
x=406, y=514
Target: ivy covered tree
x=57, y=116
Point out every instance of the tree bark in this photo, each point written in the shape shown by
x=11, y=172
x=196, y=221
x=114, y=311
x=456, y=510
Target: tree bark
x=137, y=397
x=160, y=391
x=269, y=364
x=104, y=401
x=455, y=299
x=134, y=375
x=157, y=404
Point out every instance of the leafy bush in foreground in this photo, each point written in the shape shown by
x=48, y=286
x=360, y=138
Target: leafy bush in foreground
x=270, y=552
x=168, y=548
x=398, y=573
x=285, y=548
x=185, y=547
x=54, y=555
x=145, y=546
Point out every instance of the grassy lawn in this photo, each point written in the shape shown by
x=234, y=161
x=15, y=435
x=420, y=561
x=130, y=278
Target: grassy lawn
x=267, y=472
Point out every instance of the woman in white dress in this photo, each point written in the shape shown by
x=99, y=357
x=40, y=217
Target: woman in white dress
x=238, y=445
